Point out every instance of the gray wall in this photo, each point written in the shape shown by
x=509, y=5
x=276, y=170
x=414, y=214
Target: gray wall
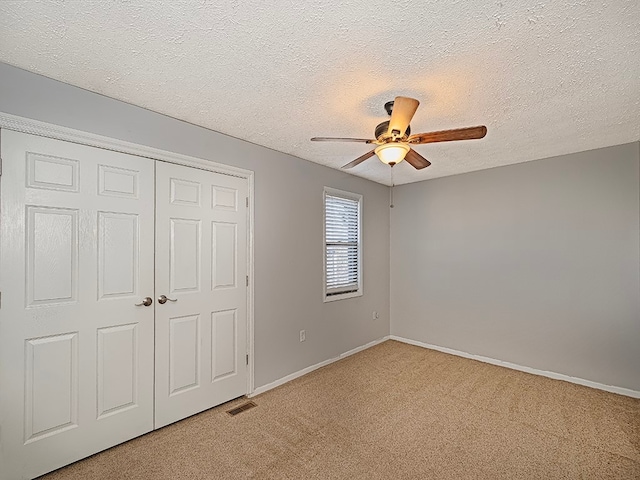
x=288, y=222
x=535, y=264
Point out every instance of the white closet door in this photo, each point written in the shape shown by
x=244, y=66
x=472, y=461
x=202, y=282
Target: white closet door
x=201, y=258
x=76, y=353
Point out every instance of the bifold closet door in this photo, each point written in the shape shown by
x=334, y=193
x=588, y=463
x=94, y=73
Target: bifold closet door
x=76, y=340
x=201, y=268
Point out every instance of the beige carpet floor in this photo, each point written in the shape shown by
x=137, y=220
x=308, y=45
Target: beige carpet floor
x=394, y=411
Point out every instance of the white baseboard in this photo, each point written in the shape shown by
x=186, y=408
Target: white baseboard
x=310, y=369
x=363, y=347
x=556, y=376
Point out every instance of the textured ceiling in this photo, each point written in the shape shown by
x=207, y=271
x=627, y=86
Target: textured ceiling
x=547, y=78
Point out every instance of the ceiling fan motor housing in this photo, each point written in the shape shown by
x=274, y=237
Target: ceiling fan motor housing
x=383, y=128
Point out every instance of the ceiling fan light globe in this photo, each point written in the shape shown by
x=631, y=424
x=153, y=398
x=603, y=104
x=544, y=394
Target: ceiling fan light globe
x=392, y=153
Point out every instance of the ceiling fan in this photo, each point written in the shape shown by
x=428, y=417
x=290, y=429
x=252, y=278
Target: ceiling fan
x=394, y=138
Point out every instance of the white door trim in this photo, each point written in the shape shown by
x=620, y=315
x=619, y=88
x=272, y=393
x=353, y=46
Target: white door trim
x=43, y=129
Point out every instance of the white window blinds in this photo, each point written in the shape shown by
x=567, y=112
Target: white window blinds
x=342, y=244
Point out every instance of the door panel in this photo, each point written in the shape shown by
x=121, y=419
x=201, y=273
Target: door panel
x=185, y=253
x=201, y=258
x=224, y=261
x=184, y=354
x=52, y=255
x=76, y=354
x=117, y=182
x=51, y=386
x=118, y=250
x=224, y=330
x=117, y=368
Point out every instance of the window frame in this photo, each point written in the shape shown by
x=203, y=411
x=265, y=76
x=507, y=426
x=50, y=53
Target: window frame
x=333, y=192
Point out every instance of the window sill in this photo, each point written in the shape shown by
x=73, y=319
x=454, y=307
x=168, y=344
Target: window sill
x=342, y=296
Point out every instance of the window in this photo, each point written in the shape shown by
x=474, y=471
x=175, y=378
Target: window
x=342, y=245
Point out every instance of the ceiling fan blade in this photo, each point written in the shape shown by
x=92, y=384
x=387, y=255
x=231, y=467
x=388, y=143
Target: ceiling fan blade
x=416, y=160
x=360, y=159
x=340, y=139
x=469, y=133
x=403, y=110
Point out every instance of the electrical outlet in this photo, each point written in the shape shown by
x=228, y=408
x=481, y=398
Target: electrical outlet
x=303, y=335
x=376, y=315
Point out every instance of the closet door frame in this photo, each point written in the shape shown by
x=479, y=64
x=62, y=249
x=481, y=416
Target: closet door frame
x=43, y=129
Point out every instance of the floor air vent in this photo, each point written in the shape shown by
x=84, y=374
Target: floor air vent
x=241, y=408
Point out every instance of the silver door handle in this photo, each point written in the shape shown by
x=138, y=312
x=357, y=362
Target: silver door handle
x=162, y=299
x=146, y=302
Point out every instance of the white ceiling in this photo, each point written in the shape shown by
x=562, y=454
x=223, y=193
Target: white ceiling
x=547, y=78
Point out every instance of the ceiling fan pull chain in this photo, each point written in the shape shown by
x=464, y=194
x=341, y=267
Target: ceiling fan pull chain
x=391, y=191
